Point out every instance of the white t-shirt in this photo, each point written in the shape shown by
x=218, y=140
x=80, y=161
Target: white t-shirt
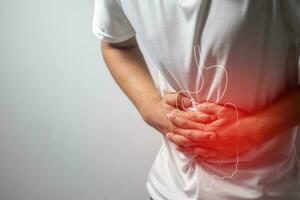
x=243, y=52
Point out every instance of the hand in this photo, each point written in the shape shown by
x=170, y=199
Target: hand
x=196, y=131
x=254, y=130
x=156, y=116
x=235, y=136
x=238, y=136
x=208, y=118
x=225, y=114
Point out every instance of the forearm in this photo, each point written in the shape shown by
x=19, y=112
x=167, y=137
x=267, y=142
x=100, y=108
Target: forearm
x=130, y=71
x=278, y=117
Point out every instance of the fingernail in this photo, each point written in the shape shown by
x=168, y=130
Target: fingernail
x=168, y=135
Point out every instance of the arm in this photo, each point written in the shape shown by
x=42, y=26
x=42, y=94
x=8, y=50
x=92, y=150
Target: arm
x=278, y=117
x=249, y=131
x=128, y=68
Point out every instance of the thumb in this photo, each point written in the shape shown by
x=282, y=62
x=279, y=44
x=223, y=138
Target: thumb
x=178, y=100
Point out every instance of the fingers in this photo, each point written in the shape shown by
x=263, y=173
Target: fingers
x=185, y=123
x=195, y=135
x=178, y=100
x=194, y=131
x=179, y=140
x=213, y=126
x=209, y=108
x=194, y=116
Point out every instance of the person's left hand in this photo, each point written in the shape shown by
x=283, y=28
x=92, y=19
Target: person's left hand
x=236, y=137
x=234, y=133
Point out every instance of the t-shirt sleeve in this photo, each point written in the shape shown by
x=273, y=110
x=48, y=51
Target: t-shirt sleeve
x=292, y=10
x=110, y=22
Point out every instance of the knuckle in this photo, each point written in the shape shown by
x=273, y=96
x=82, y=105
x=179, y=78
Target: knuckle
x=185, y=142
x=179, y=141
x=188, y=133
x=179, y=121
x=195, y=116
x=197, y=135
x=201, y=126
x=176, y=120
x=169, y=136
x=176, y=112
x=183, y=122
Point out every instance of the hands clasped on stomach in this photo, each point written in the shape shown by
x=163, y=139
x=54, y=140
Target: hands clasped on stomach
x=212, y=131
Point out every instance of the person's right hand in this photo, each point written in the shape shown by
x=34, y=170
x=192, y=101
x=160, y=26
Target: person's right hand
x=156, y=115
x=195, y=131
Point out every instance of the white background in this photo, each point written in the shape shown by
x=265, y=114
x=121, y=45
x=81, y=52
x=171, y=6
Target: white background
x=67, y=132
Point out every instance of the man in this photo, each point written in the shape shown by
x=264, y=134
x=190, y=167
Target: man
x=228, y=97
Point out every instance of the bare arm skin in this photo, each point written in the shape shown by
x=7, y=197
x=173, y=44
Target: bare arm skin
x=249, y=131
x=279, y=116
x=127, y=66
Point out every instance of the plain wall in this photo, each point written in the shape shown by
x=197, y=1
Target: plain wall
x=66, y=129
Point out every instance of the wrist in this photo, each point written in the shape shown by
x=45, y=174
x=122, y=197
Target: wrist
x=259, y=128
x=147, y=106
